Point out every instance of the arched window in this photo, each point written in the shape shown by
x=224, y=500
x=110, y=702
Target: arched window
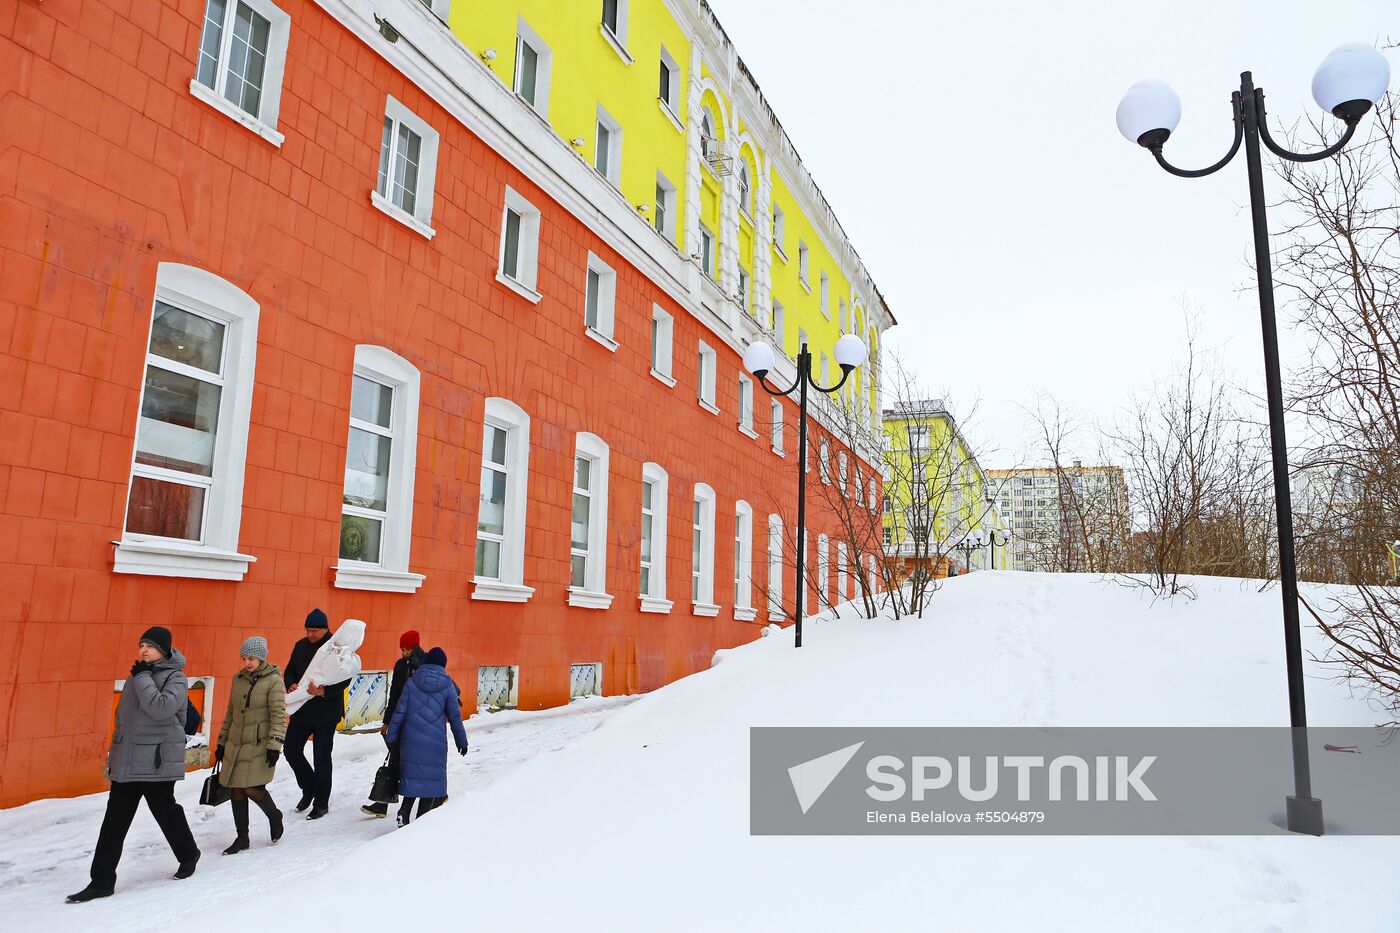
x=500, y=527
x=745, y=189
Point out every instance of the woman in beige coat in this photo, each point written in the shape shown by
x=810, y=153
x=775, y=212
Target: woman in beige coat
x=250, y=741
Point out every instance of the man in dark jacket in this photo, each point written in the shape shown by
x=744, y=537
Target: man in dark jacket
x=410, y=657
x=316, y=719
x=147, y=757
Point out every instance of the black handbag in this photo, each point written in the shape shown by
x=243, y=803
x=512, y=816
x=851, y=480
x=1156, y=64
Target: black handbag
x=386, y=782
x=214, y=792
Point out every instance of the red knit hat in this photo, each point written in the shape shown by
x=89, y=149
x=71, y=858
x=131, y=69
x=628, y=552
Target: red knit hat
x=408, y=639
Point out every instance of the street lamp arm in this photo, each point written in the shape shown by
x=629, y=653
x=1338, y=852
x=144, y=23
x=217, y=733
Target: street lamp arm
x=845, y=374
x=1283, y=153
x=1156, y=148
x=763, y=381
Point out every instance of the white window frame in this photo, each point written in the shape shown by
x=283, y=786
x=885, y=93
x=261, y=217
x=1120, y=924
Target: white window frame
x=510, y=585
x=703, y=564
x=746, y=406
x=776, y=315
x=613, y=170
x=670, y=105
x=775, y=568
x=544, y=59
x=215, y=556
x=744, y=289
x=779, y=231
x=391, y=573
x=744, y=184
x=655, y=600
x=663, y=332
x=707, y=255
x=602, y=330
x=528, y=247
x=841, y=314
x=594, y=592
x=823, y=467
x=744, y=610
x=439, y=8
x=421, y=218
x=264, y=122
x=707, y=364
x=664, y=209
x=841, y=572
x=803, y=257
x=616, y=39
x=823, y=572
x=776, y=427
x=825, y=293
x=843, y=473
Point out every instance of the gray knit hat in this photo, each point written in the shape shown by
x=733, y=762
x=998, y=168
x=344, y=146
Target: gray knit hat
x=253, y=647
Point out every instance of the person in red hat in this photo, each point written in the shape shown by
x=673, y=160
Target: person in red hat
x=410, y=658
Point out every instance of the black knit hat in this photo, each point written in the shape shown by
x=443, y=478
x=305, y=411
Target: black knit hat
x=317, y=619
x=436, y=656
x=157, y=636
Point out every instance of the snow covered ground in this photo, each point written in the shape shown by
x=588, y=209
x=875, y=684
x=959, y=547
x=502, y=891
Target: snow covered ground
x=643, y=822
x=47, y=845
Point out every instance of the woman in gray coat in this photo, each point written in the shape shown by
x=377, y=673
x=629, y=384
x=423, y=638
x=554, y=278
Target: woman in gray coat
x=147, y=757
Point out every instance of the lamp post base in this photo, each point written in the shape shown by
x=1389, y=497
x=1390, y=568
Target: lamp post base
x=1305, y=815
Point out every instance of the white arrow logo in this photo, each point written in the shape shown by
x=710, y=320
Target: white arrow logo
x=811, y=778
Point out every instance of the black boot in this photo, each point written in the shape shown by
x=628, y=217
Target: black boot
x=90, y=893
x=186, y=868
x=274, y=815
x=307, y=797
x=380, y=810
x=240, y=825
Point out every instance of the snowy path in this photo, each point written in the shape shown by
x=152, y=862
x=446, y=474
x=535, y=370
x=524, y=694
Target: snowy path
x=48, y=844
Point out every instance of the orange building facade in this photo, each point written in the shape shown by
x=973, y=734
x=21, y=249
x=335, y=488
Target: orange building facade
x=241, y=376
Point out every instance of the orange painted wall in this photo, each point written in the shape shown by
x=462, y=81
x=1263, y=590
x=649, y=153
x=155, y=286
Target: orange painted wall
x=109, y=166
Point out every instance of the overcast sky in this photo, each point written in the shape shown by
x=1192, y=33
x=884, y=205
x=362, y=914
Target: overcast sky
x=971, y=155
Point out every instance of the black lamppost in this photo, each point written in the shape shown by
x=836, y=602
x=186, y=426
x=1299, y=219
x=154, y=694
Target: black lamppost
x=1347, y=83
x=992, y=539
x=973, y=539
x=758, y=359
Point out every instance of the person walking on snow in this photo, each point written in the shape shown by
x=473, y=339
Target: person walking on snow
x=250, y=741
x=429, y=701
x=316, y=719
x=146, y=758
x=410, y=657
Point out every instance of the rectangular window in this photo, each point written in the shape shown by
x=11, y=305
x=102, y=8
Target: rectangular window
x=365, y=502
x=407, y=165
x=607, y=151
x=743, y=558
x=776, y=323
x=777, y=429
x=745, y=404
x=650, y=502
x=801, y=339
x=579, y=525
x=841, y=587
x=532, y=68
x=491, y=519
x=775, y=566
x=825, y=294
x=841, y=306
x=497, y=686
x=661, y=326
x=702, y=551
x=744, y=290
x=779, y=230
x=825, y=375
x=520, y=237
x=668, y=89
x=707, y=251
x=599, y=301
x=705, y=376
x=664, y=217
x=242, y=52
x=802, y=264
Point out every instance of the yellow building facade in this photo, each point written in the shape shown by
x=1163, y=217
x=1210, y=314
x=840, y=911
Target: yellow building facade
x=654, y=97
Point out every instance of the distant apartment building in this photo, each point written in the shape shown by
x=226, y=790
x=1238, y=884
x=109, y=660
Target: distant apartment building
x=937, y=496
x=1074, y=518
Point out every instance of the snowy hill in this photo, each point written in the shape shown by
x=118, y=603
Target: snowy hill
x=643, y=822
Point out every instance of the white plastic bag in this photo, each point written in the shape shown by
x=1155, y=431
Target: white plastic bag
x=335, y=662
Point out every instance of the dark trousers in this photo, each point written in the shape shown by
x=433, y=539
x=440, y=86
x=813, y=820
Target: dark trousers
x=315, y=781
x=122, y=803
x=425, y=804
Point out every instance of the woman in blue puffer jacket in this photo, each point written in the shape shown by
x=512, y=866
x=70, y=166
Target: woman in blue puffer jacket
x=429, y=701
